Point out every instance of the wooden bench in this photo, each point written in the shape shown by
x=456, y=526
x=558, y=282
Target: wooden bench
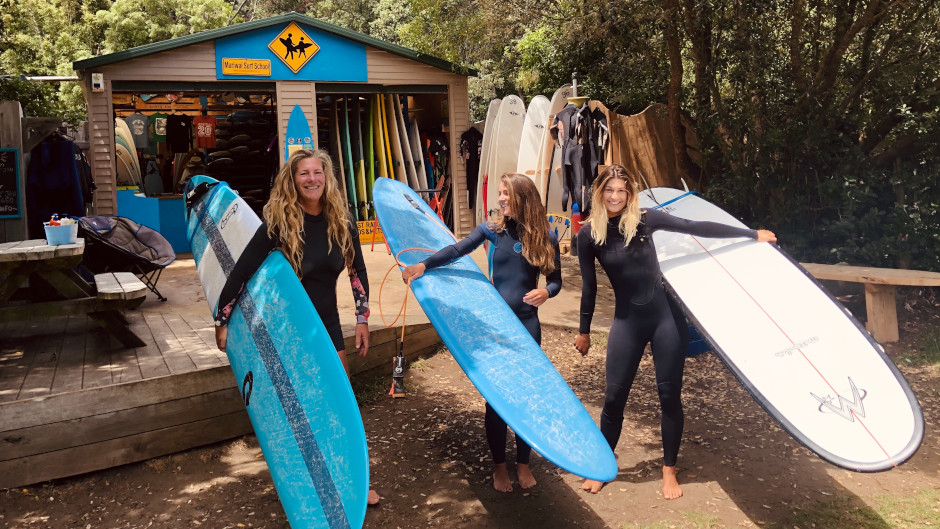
x=880, y=285
x=116, y=291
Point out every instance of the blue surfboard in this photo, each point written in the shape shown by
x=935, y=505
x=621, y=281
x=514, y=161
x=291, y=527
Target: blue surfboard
x=297, y=136
x=294, y=386
x=489, y=342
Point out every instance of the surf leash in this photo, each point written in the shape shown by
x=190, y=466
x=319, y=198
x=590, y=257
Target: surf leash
x=666, y=203
x=398, y=362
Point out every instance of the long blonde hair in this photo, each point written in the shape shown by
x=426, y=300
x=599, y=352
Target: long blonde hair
x=526, y=206
x=629, y=217
x=285, y=217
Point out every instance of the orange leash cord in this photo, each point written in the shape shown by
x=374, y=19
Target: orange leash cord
x=398, y=363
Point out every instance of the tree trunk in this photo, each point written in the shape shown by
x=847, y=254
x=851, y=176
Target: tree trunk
x=673, y=97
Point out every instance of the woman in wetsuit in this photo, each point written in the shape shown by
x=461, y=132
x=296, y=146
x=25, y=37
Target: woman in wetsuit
x=307, y=219
x=618, y=235
x=521, y=248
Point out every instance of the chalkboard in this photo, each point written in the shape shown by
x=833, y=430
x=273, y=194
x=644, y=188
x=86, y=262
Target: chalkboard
x=9, y=184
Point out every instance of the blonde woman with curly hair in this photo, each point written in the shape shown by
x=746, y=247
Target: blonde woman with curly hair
x=521, y=248
x=306, y=217
x=618, y=236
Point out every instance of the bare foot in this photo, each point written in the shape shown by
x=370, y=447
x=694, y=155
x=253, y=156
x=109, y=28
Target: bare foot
x=592, y=486
x=524, y=475
x=373, y=498
x=671, y=488
x=501, y=480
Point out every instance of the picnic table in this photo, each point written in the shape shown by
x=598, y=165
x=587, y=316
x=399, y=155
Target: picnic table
x=24, y=262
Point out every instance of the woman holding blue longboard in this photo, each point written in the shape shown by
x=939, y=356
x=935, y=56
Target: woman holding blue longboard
x=307, y=219
x=618, y=235
x=521, y=248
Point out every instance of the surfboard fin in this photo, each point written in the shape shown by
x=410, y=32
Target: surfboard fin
x=398, y=377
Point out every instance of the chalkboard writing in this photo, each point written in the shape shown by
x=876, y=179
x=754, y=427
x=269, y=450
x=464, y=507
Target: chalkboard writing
x=9, y=183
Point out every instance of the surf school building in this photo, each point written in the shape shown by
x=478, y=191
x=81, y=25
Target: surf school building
x=218, y=103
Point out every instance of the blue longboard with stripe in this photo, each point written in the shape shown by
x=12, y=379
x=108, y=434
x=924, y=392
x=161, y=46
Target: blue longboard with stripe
x=295, y=389
x=489, y=342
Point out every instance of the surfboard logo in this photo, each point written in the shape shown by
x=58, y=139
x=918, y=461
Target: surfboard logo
x=228, y=215
x=847, y=409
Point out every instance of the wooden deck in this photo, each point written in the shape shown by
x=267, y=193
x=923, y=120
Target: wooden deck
x=74, y=400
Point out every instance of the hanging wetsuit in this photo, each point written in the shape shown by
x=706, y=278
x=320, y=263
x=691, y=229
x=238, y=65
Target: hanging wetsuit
x=573, y=129
x=471, y=143
x=644, y=313
x=513, y=277
x=320, y=269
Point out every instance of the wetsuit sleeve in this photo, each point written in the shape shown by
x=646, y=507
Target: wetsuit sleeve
x=553, y=281
x=586, y=256
x=660, y=220
x=359, y=279
x=248, y=263
x=458, y=249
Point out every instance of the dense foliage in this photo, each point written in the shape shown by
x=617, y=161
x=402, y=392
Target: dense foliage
x=819, y=119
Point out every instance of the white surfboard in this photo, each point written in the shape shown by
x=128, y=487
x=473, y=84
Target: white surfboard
x=533, y=131
x=398, y=158
x=417, y=154
x=504, y=155
x=799, y=353
x=550, y=185
x=489, y=128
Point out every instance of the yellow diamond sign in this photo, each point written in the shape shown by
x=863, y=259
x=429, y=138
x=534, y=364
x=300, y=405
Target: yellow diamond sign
x=293, y=47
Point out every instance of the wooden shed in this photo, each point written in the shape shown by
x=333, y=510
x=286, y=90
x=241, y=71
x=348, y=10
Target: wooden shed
x=249, y=77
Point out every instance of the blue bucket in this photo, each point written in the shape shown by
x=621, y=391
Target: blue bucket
x=66, y=234
x=697, y=344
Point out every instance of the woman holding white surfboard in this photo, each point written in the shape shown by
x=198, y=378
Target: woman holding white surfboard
x=521, y=249
x=307, y=219
x=618, y=235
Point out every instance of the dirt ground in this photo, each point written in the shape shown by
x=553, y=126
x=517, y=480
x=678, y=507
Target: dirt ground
x=430, y=463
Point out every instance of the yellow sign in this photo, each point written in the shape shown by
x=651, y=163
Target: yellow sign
x=259, y=67
x=369, y=231
x=294, y=47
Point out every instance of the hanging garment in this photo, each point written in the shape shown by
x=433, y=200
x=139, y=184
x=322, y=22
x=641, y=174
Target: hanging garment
x=471, y=143
x=179, y=133
x=52, y=184
x=573, y=129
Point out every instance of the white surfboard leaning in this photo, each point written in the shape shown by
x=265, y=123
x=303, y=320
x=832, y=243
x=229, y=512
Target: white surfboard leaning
x=489, y=129
x=533, y=132
x=799, y=353
x=550, y=185
x=504, y=149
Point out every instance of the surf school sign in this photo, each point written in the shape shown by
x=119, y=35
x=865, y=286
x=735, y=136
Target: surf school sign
x=290, y=52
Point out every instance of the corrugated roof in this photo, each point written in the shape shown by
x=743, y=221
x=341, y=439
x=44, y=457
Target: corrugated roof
x=213, y=34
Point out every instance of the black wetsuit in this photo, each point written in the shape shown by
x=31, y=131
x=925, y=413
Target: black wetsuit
x=513, y=278
x=644, y=313
x=320, y=269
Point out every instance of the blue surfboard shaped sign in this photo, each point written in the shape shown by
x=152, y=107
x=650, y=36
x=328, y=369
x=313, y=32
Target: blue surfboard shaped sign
x=297, y=136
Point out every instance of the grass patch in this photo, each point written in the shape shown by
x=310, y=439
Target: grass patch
x=917, y=510
x=690, y=520
x=928, y=348
x=420, y=365
x=370, y=388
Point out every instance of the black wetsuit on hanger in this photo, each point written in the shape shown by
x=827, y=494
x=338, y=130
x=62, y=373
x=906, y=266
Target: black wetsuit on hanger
x=513, y=277
x=644, y=313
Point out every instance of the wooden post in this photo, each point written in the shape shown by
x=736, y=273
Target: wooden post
x=882, y=312
x=11, y=136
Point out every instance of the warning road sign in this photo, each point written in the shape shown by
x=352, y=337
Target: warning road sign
x=294, y=47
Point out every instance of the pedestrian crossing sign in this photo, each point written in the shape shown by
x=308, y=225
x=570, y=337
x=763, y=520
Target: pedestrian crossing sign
x=293, y=47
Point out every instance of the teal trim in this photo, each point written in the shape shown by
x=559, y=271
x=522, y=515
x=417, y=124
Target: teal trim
x=213, y=34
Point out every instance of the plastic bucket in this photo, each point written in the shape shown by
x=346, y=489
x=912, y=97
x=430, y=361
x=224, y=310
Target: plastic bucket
x=66, y=234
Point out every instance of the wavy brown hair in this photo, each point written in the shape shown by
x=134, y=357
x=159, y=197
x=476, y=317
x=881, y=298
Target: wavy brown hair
x=526, y=206
x=285, y=217
x=629, y=217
